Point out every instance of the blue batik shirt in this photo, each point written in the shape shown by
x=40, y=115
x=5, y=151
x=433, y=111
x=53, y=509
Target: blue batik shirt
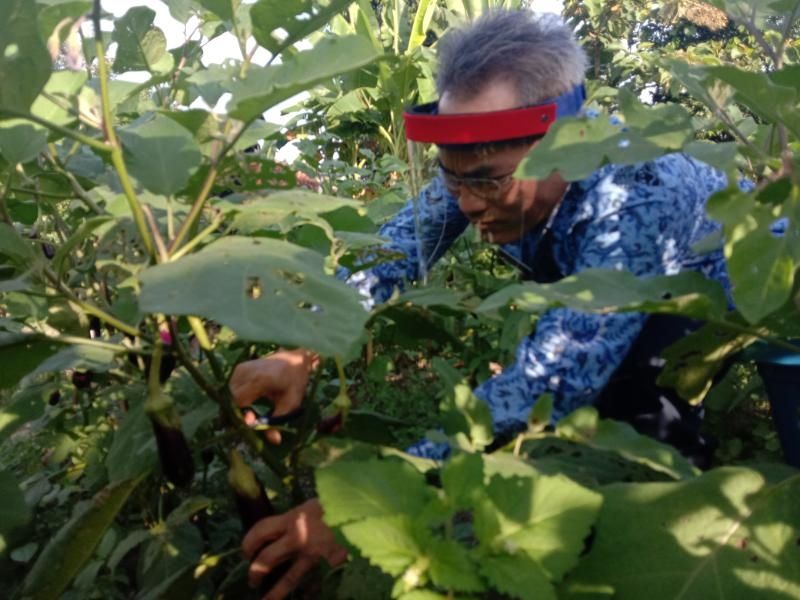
x=643, y=218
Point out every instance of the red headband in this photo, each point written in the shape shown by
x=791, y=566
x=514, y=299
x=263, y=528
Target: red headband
x=423, y=124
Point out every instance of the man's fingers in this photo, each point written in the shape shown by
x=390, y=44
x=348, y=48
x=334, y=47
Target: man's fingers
x=273, y=436
x=269, y=558
x=291, y=580
x=262, y=532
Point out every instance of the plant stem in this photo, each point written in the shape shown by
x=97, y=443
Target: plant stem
x=756, y=333
x=111, y=137
x=90, y=308
x=208, y=183
x=4, y=214
x=65, y=131
x=54, y=195
x=191, y=244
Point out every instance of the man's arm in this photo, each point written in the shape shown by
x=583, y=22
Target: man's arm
x=421, y=231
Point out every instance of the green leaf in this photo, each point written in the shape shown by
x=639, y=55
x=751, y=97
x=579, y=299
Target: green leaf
x=142, y=45
x=84, y=357
x=78, y=237
x=74, y=544
x=422, y=21
x=518, y=576
x=452, y=567
x=24, y=60
x=133, y=451
x=351, y=491
x=576, y=147
x=13, y=510
x=20, y=354
x=224, y=9
x=694, y=360
x=265, y=87
x=21, y=141
x=462, y=478
x=761, y=265
x=160, y=154
x=64, y=86
x=727, y=534
x=546, y=518
x=24, y=406
x=285, y=210
x=584, y=425
x=771, y=102
x=721, y=155
x=604, y=290
x=463, y=414
x=387, y=542
x=264, y=290
x=295, y=19
x=15, y=248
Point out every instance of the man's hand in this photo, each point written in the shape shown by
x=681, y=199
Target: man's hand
x=299, y=536
x=281, y=377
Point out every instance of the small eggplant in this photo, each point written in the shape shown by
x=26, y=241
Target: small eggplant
x=251, y=499
x=253, y=505
x=173, y=449
x=82, y=379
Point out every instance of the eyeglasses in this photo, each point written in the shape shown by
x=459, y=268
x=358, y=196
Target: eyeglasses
x=488, y=188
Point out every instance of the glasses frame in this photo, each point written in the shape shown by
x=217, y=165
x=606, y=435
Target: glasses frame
x=497, y=186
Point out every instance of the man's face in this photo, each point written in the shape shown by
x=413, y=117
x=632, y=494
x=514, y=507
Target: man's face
x=503, y=216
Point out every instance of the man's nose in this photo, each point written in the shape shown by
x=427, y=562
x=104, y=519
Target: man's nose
x=471, y=205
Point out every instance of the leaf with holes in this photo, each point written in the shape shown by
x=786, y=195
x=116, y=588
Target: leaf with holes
x=264, y=290
x=727, y=534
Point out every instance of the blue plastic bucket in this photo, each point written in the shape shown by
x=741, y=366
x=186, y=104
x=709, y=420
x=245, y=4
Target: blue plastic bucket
x=780, y=371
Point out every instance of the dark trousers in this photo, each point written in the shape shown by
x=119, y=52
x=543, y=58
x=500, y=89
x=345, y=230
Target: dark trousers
x=633, y=396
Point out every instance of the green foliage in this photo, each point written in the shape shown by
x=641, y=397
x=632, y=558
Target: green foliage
x=137, y=236
x=728, y=534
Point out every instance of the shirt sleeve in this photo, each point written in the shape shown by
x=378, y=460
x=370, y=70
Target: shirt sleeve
x=640, y=220
x=421, y=232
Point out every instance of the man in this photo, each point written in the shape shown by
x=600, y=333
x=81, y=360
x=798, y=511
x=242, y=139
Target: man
x=502, y=81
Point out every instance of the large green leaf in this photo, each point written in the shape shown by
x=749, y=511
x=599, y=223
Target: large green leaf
x=142, y=45
x=761, y=264
x=85, y=357
x=25, y=405
x=295, y=19
x=24, y=60
x=546, y=518
x=352, y=491
x=160, y=154
x=74, y=544
x=264, y=290
x=600, y=290
x=224, y=9
x=576, y=147
x=772, y=102
x=267, y=86
x=726, y=535
x=21, y=141
x=13, y=510
x=584, y=425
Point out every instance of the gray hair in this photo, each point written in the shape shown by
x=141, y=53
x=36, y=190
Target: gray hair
x=536, y=53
